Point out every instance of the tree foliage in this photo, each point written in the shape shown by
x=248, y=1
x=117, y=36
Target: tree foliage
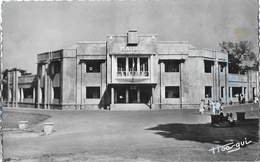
x=237, y=53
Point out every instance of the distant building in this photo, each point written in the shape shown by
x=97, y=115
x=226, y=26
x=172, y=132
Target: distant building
x=129, y=71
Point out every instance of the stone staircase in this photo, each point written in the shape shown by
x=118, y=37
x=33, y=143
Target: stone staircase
x=134, y=106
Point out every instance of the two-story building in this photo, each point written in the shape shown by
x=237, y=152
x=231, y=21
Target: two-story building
x=130, y=71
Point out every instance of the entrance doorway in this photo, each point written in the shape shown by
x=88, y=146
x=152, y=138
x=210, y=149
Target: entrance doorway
x=133, y=94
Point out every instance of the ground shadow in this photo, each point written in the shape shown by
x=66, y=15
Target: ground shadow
x=206, y=133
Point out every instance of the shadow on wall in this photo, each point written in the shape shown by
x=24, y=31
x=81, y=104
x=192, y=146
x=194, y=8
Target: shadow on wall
x=205, y=133
x=102, y=103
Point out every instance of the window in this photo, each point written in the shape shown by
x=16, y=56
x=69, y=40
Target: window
x=57, y=67
x=143, y=64
x=172, y=92
x=93, y=92
x=172, y=66
x=208, y=65
x=121, y=63
x=28, y=92
x=93, y=66
x=222, y=66
x=236, y=91
x=208, y=92
x=56, y=91
x=132, y=63
x=222, y=92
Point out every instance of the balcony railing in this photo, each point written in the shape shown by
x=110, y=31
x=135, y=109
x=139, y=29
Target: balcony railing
x=133, y=74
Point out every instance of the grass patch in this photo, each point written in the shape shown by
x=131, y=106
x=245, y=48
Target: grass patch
x=10, y=119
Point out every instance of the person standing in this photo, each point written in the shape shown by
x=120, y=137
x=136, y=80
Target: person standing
x=201, y=110
x=213, y=107
x=217, y=107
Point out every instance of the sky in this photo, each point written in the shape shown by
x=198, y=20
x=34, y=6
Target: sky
x=30, y=28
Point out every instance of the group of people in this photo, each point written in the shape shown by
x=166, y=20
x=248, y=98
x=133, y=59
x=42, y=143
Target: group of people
x=215, y=107
x=228, y=119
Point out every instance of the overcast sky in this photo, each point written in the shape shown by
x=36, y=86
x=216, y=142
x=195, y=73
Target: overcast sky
x=30, y=28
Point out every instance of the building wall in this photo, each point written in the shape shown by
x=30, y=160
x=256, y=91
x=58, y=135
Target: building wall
x=73, y=78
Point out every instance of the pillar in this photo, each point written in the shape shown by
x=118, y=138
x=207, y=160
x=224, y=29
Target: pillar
x=38, y=92
x=127, y=66
x=127, y=95
x=162, y=67
x=33, y=95
x=13, y=85
x=243, y=92
x=226, y=84
x=230, y=92
x=151, y=68
x=138, y=67
x=22, y=95
x=138, y=94
x=8, y=89
x=16, y=89
x=112, y=98
x=216, y=77
x=115, y=93
x=152, y=98
x=45, y=87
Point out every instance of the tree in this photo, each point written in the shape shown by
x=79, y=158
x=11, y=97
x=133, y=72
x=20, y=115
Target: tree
x=238, y=52
x=4, y=81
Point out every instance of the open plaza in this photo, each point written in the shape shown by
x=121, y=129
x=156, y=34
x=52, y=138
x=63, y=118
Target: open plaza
x=144, y=135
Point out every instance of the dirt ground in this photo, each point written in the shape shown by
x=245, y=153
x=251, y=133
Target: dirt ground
x=152, y=135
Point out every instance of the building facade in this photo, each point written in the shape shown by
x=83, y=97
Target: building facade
x=127, y=72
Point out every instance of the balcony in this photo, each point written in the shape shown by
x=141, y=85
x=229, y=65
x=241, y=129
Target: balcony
x=131, y=74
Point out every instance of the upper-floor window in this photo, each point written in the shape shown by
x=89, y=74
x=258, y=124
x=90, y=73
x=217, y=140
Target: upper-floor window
x=57, y=67
x=172, y=66
x=132, y=66
x=208, y=66
x=121, y=64
x=143, y=64
x=93, y=66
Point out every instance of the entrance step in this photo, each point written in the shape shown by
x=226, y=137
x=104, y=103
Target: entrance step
x=134, y=106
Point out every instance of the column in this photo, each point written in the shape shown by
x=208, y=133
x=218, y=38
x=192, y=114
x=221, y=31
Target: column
x=138, y=94
x=17, y=89
x=243, y=92
x=127, y=66
x=22, y=95
x=230, y=92
x=8, y=89
x=151, y=68
x=138, y=66
x=45, y=88
x=115, y=94
x=181, y=64
x=112, y=98
x=127, y=95
x=13, y=85
x=152, y=98
x=216, y=87
x=33, y=95
x=38, y=92
x=226, y=84
x=162, y=67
